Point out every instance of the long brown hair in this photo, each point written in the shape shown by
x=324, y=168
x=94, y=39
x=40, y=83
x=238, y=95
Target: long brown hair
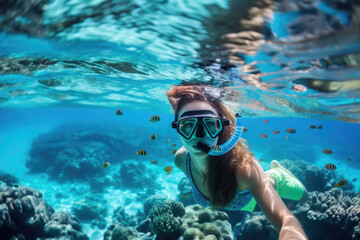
x=220, y=178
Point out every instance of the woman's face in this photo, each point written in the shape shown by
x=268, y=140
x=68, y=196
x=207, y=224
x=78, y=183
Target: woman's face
x=195, y=139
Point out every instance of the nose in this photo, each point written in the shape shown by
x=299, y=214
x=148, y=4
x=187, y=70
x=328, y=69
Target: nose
x=200, y=131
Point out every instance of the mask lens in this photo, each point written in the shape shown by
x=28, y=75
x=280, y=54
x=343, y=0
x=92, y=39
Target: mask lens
x=214, y=125
x=186, y=126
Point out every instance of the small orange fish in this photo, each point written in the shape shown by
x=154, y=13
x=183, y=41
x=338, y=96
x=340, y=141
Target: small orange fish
x=330, y=166
x=263, y=135
x=290, y=130
x=327, y=151
x=154, y=118
x=276, y=132
x=287, y=138
x=107, y=164
x=141, y=153
x=266, y=121
x=261, y=159
x=153, y=137
x=244, y=129
x=341, y=183
x=168, y=141
x=168, y=169
x=312, y=126
x=216, y=148
x=173, y=145
x=186, y=195
x=154, y=162
x=119, y=112
x=320, y=126
x=173, y=151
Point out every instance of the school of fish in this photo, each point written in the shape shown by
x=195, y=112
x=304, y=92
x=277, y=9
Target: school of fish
x=216, y=148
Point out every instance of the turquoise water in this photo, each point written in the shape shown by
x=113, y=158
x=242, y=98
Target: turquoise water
x=66, y=66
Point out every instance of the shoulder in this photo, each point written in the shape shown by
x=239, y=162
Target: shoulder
x=180, y=159
x=245, y=176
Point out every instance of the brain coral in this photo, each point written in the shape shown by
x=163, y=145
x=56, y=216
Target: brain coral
x=170, y=220
x=166, y=219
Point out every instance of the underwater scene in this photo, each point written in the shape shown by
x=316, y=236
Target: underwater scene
x=92, y=148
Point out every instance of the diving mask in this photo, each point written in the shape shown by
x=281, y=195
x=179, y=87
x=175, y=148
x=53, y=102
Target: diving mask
x=190, y=122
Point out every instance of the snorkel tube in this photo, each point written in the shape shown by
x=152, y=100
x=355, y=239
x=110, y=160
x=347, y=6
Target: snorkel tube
x=229, y=144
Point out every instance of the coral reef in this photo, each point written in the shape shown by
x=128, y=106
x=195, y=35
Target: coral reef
x=332, y=215
x=122, y=217
x=136, y=175
x=24, y=214
x=90, y=208
x=203, y=223
x=170, y=220
x=76, y=152
x=117, y=231
x=9, y=179
x=314, y=178
x=166, y=219
x=151, y=201
x=63, y=225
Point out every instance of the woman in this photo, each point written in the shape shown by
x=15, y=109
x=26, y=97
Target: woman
x=228, y=176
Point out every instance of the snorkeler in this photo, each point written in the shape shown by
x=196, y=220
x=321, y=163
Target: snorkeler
x=231, y=178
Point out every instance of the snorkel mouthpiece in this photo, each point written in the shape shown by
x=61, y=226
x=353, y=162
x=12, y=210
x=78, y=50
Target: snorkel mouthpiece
x=203, y=147
x=229, y=144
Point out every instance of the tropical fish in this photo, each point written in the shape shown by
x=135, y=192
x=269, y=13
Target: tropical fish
x=341, y=183
x=141, y=153
x=106, y=164
x=119, y=112
x=252, y=154
x=327, y=151
x=276, y=132
x=186, y=195
x=290, y=130
x=320, y=126
x=154, y=118
x=354, y=179
x=261, y=159
x=173, y=151
x=330, y=166
x=287, y=138
x=168, y=169
x=349, y=159
x=266, y=121
x=154, y=162
x=312, y=126
x=244, y=129
x=263, y=135
x=173, y=145
x=153, y=137
x=216, y=148
x=168, y=141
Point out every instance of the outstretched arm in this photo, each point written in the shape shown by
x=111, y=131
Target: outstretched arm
x=270, y=202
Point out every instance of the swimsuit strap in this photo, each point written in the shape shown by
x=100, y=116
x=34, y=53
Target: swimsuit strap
x=188, y=156
x=197, y=195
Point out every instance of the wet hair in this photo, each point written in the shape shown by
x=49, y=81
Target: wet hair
x=220, y=186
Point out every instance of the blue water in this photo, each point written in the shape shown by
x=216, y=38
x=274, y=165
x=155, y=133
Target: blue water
x=79, y=61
